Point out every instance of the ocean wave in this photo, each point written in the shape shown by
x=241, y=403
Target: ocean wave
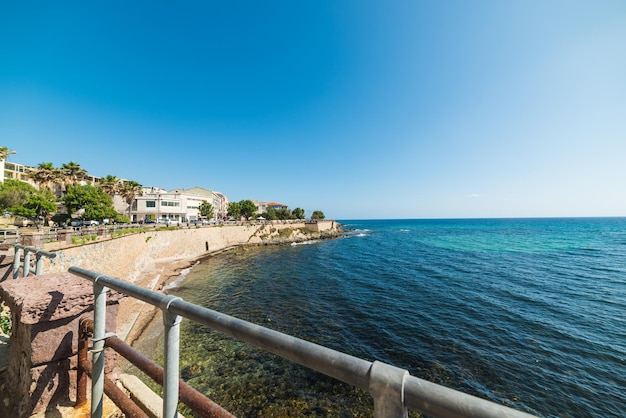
x=359, y=233
x=313, y=241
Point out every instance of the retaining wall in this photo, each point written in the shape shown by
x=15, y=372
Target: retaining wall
x=128, y=256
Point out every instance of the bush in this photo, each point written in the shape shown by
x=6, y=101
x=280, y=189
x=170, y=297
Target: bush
x=121, y=219
x=5, y=320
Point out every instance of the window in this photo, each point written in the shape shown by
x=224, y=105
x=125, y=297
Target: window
x=150, y=204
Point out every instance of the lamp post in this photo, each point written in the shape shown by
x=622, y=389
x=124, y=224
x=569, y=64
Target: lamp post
x=158, y=207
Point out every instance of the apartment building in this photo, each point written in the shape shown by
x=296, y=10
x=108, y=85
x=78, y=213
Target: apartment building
x=14, y=171
x=179, y=205
x=261, y=207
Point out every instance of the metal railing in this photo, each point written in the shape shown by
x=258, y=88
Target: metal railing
x=393, y=389
x=195, y=400
x=9, y=236
x=26, y=268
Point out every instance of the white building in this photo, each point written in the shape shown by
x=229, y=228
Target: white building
x=14, y=171
x=176, y=205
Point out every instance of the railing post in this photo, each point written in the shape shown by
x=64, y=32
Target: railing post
x=386, y=386
x=83, y=350
x=16, y=263
x=38, y=264
x=172, y=357
x=99, y=324
x=26, y=266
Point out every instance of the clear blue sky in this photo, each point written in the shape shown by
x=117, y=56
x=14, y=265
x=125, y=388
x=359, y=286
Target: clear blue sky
x=362, y=109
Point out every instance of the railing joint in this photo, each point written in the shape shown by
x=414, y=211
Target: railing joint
x=386, y=385
x=103, y=338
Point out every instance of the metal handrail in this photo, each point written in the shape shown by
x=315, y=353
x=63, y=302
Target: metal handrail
x=393, y=389
x=26, y=268
x=10, y=236
x=195, y=400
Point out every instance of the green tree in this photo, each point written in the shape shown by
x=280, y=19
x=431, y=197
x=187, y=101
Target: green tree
x=248, y=208
x=318, y=215
x=298, y=213
x=129, y=191
x=22, y=199
x=243, y=208
x=270, y=213
x=234, y=209
x=206, y=210
x=283, y=214
x=40, y=204
x=14, y=193
x=97, y=205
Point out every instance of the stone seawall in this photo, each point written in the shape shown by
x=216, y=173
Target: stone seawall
x=127, y=257
x=148, y=259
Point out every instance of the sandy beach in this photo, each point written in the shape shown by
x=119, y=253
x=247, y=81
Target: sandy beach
x=134, y=315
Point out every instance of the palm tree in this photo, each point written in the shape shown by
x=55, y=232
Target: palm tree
x=111, y=185
x=73, y=172
x=5, y=152
x=46, y=176
x=130, y=190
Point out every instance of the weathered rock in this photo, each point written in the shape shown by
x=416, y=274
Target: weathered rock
x=45, y=311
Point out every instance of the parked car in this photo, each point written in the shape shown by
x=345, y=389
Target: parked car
x=22, y=221
x=90, y=223
x=173, y=222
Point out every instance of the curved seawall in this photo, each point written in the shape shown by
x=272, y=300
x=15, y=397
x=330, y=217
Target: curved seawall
x=127, y=257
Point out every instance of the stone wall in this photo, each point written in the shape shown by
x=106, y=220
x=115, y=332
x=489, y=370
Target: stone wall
x=128, y=256
x=322, y=226
x=45, y=311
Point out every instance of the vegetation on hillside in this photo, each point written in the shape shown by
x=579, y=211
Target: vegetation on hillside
x=22, y=199
x=63, y=193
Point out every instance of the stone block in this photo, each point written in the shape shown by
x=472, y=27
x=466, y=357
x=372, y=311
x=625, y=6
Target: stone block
x=65, y=235
x=45, y=311
x=51, y=384
x=32, y=239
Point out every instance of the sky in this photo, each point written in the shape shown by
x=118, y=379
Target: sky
x=361, y=109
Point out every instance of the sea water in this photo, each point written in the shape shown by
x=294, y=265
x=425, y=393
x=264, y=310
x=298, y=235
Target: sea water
x=530, y=313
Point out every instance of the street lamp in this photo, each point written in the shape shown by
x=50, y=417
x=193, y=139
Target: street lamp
x=158, y=207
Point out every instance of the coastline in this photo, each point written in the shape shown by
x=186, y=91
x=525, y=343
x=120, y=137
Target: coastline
x=135, y=316
x=136, y=320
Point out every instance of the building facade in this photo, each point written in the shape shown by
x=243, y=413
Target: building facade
x=176, y=206
x=14, y=171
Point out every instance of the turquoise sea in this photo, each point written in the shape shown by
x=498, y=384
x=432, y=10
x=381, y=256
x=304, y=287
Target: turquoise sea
x=530, y=313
